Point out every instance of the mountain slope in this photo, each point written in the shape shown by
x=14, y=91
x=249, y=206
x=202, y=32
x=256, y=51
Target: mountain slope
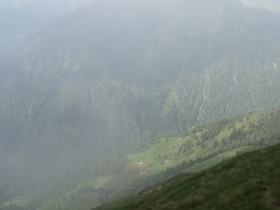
x=19, y=20
x=272, y=5
x=249, y=181
x=115, y=73
x=132, y=169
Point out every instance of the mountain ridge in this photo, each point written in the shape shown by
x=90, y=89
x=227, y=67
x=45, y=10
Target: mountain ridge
x=114, y=74
x=134, y=168
x=233, y=178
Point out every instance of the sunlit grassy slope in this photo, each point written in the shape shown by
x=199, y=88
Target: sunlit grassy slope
x=80, y=88
x=204, y=146
x=249, y=181
x=165, y=152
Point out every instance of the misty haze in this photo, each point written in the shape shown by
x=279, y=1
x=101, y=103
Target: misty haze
x=139, y=104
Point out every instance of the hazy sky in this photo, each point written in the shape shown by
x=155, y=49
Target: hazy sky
x=19, y=19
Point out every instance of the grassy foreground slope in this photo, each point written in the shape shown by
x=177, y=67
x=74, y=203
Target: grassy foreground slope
x=80, y=89
x=131, y=170
x=248, y=181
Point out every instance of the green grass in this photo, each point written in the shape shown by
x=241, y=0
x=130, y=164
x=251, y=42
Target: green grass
x=164, y=152
x=217, y=159
x=248, y=181
x=150, y=157
x=20, y=201
x=266, y=127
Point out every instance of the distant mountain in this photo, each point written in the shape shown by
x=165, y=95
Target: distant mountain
x=21, y=19
x=118, y=72
x=272, y=5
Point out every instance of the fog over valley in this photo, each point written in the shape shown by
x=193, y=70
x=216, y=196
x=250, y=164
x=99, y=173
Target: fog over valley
x=19, y=20
x=102, y=99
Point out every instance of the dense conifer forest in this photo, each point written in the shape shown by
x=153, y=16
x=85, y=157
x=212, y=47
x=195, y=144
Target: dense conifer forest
x=120, y=95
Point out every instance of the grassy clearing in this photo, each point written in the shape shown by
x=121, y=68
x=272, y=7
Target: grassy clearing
x=263, y=125
x=219, y=158
x=165, y=152
x=158, y=157
x=249, y=181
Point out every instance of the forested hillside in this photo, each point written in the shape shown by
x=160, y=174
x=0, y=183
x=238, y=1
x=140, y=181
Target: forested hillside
x=134, y=168
x=248, y=181
x=117, y=73
x=272, y=5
